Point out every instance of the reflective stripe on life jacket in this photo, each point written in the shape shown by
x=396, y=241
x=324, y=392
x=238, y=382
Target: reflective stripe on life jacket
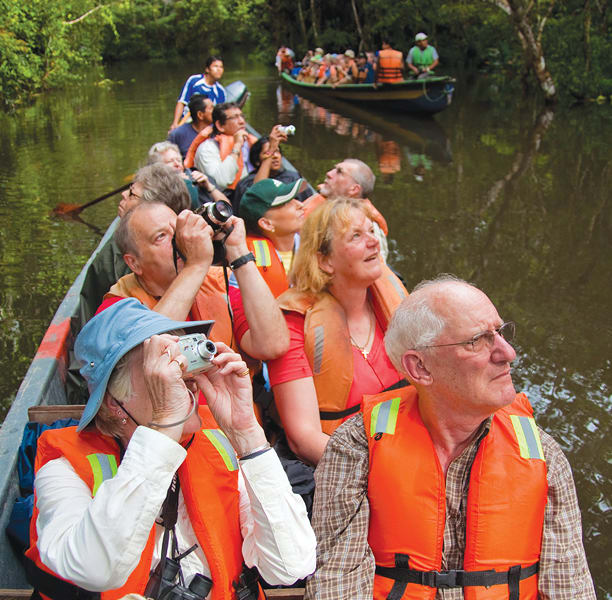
x=209, y=484
x=269, y=264
x=389, y=66
x=210, y=302
x=505, y=513
x=327, y=340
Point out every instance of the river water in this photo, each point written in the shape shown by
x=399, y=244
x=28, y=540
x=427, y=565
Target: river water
x=494, y=189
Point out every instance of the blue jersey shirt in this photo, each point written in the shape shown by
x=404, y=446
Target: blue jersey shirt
x=196, y=84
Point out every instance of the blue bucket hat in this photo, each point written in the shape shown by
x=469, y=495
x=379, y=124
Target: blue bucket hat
x=110, y=335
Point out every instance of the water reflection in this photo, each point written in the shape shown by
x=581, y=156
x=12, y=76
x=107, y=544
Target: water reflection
x=402, y=142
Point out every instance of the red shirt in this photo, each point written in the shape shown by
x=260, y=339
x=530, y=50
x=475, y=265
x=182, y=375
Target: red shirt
x=370, y=376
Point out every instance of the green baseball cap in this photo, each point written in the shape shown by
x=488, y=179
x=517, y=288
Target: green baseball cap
x=266, y=194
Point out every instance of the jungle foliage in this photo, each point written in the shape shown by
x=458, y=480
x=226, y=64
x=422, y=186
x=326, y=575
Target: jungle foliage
x=50, y=43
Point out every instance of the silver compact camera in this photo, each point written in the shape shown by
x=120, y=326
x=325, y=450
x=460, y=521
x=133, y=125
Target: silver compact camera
x=287, y=129
x=199, y=352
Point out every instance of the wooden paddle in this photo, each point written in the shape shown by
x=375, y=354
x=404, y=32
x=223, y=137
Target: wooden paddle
x=75, y=209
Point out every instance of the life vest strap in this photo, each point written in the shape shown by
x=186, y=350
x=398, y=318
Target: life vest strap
x=332, y=415
x=54, y=587
x=459, y=578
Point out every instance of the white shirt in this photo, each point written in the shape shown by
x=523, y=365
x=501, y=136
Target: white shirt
x=97, y=542
x=208, y=160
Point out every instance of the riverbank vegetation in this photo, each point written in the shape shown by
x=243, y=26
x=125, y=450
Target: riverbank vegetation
x=560, y=47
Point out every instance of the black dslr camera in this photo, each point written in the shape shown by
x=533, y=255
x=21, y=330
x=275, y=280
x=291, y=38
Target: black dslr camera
x=216, y=215
x=162, y=585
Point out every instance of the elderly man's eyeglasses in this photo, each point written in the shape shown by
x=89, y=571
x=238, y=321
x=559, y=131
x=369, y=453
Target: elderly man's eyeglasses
x=132, y=194
x=486, y=339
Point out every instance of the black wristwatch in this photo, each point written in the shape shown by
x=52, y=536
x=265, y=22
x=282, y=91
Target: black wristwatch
x=243, y=260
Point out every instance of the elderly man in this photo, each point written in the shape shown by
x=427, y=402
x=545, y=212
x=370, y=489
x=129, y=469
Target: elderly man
x=422, y=58
x=193, y=288
x=149, y=481
x=200, y=109
x=447, y=488
x=207, y=84
x=351, y=178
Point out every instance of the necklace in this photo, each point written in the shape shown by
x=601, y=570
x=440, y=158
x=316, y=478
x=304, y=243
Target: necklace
x=362, y=349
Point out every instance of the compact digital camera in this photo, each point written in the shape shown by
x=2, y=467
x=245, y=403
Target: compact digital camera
x=199, y=352
x=287, y=129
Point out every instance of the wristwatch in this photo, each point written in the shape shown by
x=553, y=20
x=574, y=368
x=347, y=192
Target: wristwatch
x=243, y=260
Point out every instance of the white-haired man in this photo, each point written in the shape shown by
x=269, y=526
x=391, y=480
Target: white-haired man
x=447, y=488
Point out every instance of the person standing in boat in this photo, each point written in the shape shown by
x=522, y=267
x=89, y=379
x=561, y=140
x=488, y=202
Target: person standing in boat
x=422, y=58
x=337, y=311
x=148, y=476
x=447, y=488
x=207, y=84
x=200, y=109
x=390, y=64
x=351, y=178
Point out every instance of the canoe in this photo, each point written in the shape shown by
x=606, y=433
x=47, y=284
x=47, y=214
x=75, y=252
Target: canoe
x=426, y=96
x=50, y=381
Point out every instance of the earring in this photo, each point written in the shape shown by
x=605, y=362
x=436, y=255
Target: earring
x=123, y=419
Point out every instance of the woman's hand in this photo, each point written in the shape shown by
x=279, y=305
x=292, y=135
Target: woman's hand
x=228, y=391
x=163, y=374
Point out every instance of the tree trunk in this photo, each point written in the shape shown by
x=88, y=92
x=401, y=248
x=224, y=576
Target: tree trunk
x=302, y=24
x=358, y=24
x=587, y=35
x=531, y=41
x=313, y=18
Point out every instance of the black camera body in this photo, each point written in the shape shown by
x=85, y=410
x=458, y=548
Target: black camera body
x=162, y=585
x=216, y=215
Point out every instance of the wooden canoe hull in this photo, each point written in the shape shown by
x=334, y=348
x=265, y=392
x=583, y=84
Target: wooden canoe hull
x=427, y=96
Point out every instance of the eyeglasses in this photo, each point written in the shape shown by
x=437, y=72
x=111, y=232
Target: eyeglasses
x=486, y=339
x=237, y=116
x=131, y=193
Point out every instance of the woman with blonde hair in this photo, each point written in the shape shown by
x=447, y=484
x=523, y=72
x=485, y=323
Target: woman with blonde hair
x=338, y=309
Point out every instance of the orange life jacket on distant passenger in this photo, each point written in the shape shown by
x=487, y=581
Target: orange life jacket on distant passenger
x=269, y=264
x=327, y=342
x=317, y=200
x=406, y=492
x=190, y=156
x=210, y=302
x=209, y=483
x=389, y=66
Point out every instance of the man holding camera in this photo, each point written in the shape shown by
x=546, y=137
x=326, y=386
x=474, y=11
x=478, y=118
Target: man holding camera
x=192, y=288
x=149, y=483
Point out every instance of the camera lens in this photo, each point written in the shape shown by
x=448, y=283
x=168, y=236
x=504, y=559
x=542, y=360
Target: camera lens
x=206, y=349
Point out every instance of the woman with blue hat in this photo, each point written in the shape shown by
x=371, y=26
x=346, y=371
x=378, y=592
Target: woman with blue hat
x=150, y=490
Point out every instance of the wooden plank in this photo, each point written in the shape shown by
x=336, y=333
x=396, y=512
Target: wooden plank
x=49, y=414
x=14, y=594
x=286, y=594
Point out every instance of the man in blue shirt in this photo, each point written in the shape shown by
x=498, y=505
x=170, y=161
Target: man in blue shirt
x=200, y=109
x=206, y=84
x=422, y=57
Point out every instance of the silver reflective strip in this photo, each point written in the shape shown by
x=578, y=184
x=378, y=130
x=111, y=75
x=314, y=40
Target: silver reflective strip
x=104, y=462
x=397, y=285
x=530, y=439
x=319, y=334
x=383, y=416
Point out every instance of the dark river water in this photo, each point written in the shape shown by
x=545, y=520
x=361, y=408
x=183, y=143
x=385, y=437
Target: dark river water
x=494, y=190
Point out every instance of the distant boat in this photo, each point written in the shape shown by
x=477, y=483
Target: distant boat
x=428, y=95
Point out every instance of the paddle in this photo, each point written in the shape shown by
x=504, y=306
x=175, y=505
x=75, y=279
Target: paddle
x=75, y=209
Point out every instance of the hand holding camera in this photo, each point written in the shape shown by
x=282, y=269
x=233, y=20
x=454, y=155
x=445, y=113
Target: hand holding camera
x=193, y=237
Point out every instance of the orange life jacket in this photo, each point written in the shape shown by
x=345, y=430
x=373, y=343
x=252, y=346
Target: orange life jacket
x=327, y=341
x=317, y=200
x=209, y=482
x=226, y=145
x=210, y=301
x=390, y=63
x=202, y=136
x=269, y=264
x=506, y=501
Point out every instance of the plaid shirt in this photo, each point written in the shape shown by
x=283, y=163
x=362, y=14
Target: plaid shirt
x=345, y=563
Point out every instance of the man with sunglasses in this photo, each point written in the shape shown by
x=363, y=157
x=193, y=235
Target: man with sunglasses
x=446, y=488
